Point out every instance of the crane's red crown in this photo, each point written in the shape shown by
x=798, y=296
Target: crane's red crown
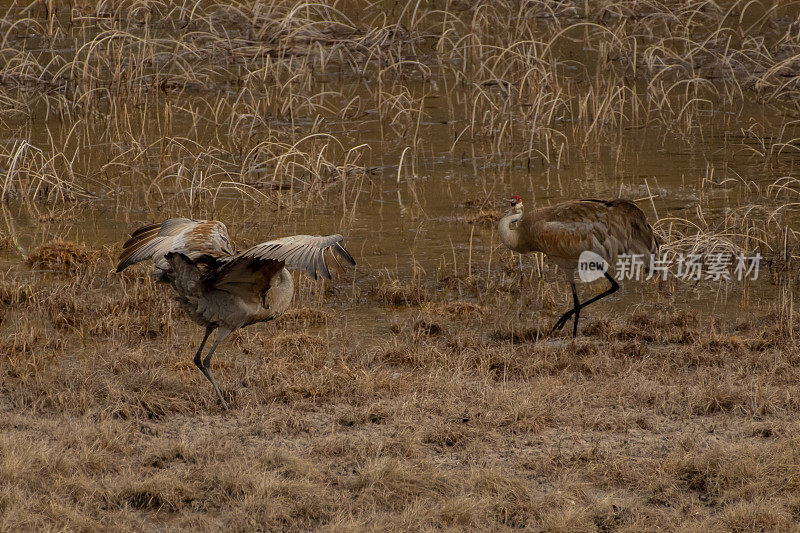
x=516, y=199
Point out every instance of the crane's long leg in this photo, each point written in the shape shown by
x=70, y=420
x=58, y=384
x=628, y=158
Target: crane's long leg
x=203, y=365
x=614, y=288
x=576, y=309
x=578, y=306
x=197, y=359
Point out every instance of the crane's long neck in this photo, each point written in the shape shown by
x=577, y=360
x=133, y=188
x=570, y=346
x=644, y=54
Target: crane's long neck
x=279, y=295
x=509, y=231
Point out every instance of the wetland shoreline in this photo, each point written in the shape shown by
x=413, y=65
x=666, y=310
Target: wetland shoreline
x=417, y=392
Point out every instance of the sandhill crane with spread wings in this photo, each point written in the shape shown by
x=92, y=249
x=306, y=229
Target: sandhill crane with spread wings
x=566, y=230
x=222, y=289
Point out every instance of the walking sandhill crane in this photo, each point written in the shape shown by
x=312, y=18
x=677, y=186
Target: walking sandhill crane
x=563, y=231
x=222, y=289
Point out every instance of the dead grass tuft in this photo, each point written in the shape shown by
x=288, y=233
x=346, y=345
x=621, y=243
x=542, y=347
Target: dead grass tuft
x=64, y=255
x=449, y=435
x=398, y=293
x=14, y=292
x=456, y=310
x=159, y=493
x=511, y=333
x=303, y=317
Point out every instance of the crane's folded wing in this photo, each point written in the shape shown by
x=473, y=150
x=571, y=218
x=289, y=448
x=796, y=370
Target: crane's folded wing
x=569, y=240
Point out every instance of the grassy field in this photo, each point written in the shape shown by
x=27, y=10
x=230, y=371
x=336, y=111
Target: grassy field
x=420, y=391
x=451, y=419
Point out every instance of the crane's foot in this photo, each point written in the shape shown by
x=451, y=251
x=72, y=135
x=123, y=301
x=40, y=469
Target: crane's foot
x=210, y=377
x=562, y=321
x=222, y=400
x=207, y=373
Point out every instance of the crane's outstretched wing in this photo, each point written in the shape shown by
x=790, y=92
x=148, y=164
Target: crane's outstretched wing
x=193, y=238
x=303, y=251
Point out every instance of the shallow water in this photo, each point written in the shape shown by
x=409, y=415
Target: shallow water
x=392, y=214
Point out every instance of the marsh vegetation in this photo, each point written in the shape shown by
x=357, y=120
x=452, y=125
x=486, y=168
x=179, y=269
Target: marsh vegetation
x=418, y=391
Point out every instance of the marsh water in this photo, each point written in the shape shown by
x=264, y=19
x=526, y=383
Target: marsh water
x=405, y=171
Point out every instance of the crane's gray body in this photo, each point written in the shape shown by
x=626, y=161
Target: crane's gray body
x=221, y=289
x=563, y=232
x=236, y=305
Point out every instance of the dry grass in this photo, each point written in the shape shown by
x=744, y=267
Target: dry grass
x=63, y=255
x=423, y=393
x=650, y=420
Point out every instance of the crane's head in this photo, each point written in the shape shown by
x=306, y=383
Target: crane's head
x=516, y=203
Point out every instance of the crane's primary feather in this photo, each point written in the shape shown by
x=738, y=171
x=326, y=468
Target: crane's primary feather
x=301, y=251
